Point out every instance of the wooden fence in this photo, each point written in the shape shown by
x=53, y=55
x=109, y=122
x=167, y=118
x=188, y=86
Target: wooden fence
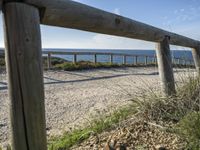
x=22, y=19
x=136, y=59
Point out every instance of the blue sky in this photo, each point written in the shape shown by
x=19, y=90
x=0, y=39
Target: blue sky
x=180, y=16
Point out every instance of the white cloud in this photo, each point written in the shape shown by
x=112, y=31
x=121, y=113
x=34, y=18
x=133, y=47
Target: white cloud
x=117, y=11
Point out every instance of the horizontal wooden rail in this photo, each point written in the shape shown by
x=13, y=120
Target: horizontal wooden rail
x=70, y=14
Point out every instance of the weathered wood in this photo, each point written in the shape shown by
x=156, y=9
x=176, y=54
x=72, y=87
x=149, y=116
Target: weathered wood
x=165, y=67
x=75, y=58
x=111, y=58
x=124, y=59
x=49, y=61
x=146, y=60
x=95, y=58
x=196, y=58
x=1, y=3
x=70, y=14
x=136, y=60
x=24, y=66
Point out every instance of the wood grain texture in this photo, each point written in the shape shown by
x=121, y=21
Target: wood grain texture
x=1, y=3
x=165, y=67
x=26, y=91
x=70, y=14
x=196, y=57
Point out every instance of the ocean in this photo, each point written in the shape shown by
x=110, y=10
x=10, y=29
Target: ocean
x=184, y=54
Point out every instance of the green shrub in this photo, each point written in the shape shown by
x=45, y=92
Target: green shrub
x=189, y=129
x=83, y=65
x=2, y=61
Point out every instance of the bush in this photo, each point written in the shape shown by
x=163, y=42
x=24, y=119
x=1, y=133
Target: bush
x=2, y=61
x=189, y=128
x=82, y=65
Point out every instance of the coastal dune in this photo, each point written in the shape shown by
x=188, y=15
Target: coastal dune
x=72, y=99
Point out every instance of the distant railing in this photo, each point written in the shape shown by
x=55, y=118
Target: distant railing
x=146, y=59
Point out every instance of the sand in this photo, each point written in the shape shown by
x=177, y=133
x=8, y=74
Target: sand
x=72, y=99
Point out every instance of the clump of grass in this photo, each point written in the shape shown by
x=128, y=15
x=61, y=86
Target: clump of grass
x=181, y=109
x=2, y=61
x=83, y=65
x=175, y=107
x=97, y=126
x=189, y=129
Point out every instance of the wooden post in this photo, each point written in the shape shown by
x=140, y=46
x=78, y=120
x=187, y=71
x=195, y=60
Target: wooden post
x=155, y=60
x=136, y=60
x=49, y=61
x=146, y=60
x=196, y=57
x=124, y=59
x=25, y=76
x=111, y=58
x=75, y=58
x=165, y=67
x=95, y=58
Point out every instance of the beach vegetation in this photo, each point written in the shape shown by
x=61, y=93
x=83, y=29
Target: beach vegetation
x=96, y=126
x=180, y=111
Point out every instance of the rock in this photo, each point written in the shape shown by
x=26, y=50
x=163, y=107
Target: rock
x=158, y=147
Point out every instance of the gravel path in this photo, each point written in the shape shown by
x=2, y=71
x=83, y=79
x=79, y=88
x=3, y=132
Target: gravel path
x=73, y=98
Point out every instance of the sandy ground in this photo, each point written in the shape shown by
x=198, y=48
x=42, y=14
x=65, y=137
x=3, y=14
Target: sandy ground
x=73, y=98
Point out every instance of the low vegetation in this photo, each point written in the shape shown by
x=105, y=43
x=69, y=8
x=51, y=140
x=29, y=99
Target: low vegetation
x=96, y=126
x=177, y=117
x=84, y=65
x=2, y=61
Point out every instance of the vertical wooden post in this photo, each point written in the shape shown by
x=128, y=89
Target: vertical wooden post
x=124, y=59
x=165, y=67
x=146, y=60
x=196, y=57
x=75, y=58
x=179, y=63
x=136, y=60
x=95, y=58
x=49, y=61
x=25, y=76
x=111, y=58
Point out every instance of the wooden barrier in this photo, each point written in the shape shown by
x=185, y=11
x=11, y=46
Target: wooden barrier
x=165, y=67
x=23, y=46
x=26, y=91
x=70, y=14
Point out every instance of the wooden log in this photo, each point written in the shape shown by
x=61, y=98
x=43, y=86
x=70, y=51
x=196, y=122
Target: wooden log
x=25, y=76
x=196, y=58
x=70, y=14
x=49, y=65
x=165, y=67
